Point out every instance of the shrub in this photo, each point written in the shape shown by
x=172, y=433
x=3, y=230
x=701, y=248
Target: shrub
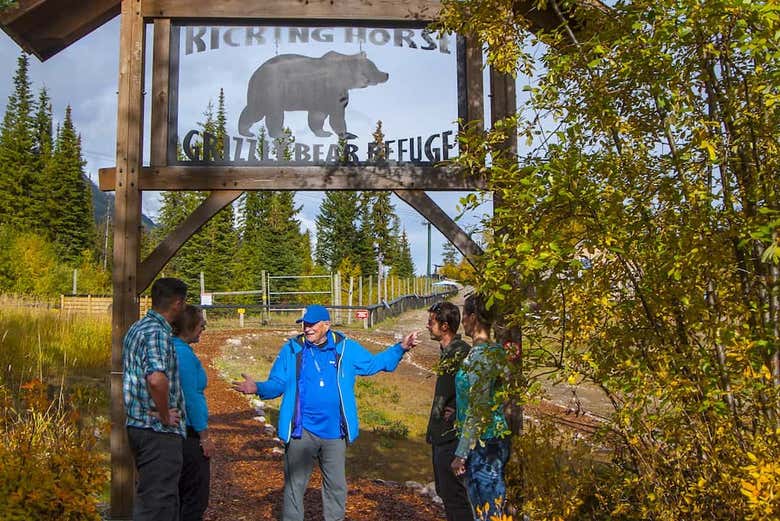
x=49, y=468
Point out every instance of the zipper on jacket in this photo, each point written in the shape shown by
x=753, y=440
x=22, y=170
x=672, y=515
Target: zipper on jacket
x=338, y=386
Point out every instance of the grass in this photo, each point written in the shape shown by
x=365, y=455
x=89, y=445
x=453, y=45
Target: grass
x=393, y=409
x=42, y=343
x=62, y=360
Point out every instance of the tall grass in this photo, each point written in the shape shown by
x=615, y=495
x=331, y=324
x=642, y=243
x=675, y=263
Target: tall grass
x=38, y=342
x=51, y=465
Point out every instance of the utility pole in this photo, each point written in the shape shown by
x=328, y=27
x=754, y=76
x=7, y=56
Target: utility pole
x=428, y=272
x=105, y=240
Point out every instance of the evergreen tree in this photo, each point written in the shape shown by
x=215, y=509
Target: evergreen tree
x=43, y=147
x=44, y=137
x=307, y=256
x=188, y=261
x=251, y=256
x=211, y=250
x=450, y=254
x=365, y=252
x=403, y=266
x=337, y=236
x=17, y=159
x=221, y=124
x=219, y=235
x=379, y=154
x=282, y=240
x=71, y=223
x=385, y=227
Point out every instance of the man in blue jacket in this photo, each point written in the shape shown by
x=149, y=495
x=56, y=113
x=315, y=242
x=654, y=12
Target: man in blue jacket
x=316, y=371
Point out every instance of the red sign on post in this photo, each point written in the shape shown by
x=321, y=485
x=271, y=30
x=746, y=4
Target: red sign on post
x=361, y=314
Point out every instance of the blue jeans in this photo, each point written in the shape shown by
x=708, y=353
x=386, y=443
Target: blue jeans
x=485, y=476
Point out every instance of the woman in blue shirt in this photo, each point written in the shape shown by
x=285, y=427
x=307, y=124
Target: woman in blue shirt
x=198, y=447
x=483, y=447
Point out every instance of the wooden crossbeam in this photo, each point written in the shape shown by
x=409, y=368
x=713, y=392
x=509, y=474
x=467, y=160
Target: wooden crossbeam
x=387, y=10
x=44, y=28
x=404, y=177
x=156, y=260
x=428, y=208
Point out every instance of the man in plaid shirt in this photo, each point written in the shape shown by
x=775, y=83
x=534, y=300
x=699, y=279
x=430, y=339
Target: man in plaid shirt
x=154, y=404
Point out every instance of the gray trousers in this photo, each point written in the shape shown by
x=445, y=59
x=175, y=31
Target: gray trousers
x=158, y=459
x=299, y=461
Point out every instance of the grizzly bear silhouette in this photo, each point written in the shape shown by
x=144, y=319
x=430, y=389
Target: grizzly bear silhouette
x=321, y=86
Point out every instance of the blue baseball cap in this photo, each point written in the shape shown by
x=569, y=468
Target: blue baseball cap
x=314, y=313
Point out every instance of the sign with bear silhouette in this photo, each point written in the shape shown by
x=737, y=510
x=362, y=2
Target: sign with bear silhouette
x=264, y=95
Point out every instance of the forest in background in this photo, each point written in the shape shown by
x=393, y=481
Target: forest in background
x=48, y=222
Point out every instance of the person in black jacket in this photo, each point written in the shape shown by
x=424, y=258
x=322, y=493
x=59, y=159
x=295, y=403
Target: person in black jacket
x=443, y=323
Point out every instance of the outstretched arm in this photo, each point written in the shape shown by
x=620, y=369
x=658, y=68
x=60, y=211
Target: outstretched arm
x=271, y=388
x=367, y=364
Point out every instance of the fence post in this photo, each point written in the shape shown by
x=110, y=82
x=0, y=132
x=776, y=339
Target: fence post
x=349, y=298
x=370, y=289
x=338, y=296
x=75, y=282
x=265, y=312
x=385, y=288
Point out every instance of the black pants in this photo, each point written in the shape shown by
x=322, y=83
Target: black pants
x=449, y=487
x=158, y=460
x=194, y=481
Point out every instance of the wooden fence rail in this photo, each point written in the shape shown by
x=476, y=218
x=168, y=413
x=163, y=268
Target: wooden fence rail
x=96, y=304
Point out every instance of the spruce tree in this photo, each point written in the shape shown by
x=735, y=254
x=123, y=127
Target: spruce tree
x=450, y=254
x=17, y=159
x=403, y=267
x=385, y=227
x=219, y=234
x=43, y=149
x=188, y=261
x=337, y=235
x=281, y=239
x=71, y=224
x=365, y=251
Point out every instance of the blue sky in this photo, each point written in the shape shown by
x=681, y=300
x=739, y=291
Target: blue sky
x=418, y=99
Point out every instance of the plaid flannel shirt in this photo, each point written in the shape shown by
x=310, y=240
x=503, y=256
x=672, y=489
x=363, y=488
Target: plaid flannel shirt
x=148, y=348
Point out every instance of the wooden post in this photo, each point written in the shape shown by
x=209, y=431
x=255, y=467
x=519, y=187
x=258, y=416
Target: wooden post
x=127, y=224
x=370, y=289
x=338, y=296
x=160, y=89
x=385, y=288
x=265, y=313
x=349, y=298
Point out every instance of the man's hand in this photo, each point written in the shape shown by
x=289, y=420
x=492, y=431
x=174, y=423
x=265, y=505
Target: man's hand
x=458, y=466
x=207, y=446
x=172, y=420
x=247, y=386
x=410, y=341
